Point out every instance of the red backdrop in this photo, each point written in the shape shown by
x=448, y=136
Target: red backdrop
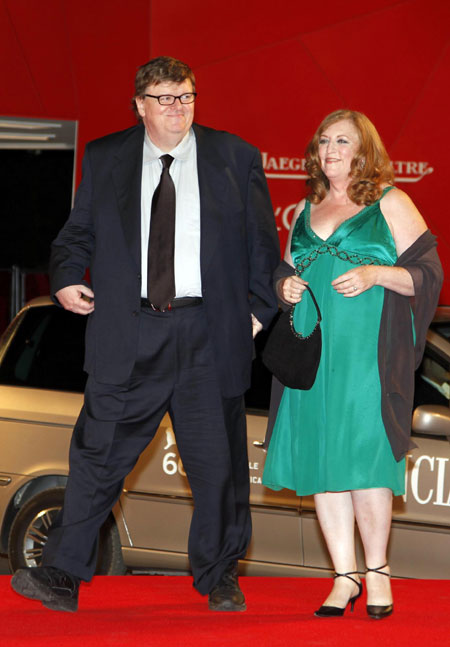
x=267, y=71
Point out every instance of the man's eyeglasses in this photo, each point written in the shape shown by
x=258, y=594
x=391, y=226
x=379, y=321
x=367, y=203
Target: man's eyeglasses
x=169, y=99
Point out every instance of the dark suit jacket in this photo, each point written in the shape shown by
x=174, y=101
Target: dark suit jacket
x=238, y=253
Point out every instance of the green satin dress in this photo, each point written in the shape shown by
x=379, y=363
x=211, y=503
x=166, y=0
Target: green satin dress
x=332, y=437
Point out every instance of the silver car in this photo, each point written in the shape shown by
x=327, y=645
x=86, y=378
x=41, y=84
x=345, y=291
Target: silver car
x=41, y=384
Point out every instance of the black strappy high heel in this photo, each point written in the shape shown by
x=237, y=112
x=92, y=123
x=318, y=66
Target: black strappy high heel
x=378, y=611
x=334, y=612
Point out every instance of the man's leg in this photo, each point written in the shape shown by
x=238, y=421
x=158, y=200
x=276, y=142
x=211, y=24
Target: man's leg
x=226, y=594
x=114, y=427
x=108, y=439
x=211, y=438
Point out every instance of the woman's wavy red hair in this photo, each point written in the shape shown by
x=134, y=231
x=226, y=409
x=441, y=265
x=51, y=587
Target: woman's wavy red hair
x=371, y=167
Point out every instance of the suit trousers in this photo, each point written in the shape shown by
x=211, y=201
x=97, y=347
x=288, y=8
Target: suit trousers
x=175, y=372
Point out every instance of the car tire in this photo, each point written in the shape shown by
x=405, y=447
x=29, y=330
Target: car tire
x=29, y=533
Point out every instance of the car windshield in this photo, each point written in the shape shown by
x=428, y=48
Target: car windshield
x=46, y=351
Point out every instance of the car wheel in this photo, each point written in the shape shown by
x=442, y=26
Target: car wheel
x=29, y=534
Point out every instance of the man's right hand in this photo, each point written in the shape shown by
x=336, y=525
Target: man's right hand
x=76, y=298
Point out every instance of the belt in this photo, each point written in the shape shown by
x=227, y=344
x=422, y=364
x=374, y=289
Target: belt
x=181, y=302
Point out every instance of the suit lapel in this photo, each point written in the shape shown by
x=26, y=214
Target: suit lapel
x=211, y=178
x=127, y=179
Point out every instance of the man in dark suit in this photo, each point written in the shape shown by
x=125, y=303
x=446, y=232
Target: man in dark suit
x=189, y=353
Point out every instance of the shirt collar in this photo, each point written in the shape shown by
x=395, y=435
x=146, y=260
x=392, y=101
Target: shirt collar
x=180, y=152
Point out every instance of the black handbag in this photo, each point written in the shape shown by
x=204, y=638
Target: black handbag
x=291, y=357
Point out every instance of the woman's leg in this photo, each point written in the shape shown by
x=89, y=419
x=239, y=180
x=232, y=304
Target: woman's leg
x=373, y=511
x=337, y=521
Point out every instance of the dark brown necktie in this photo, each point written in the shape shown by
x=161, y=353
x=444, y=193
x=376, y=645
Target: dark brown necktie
x=161, y=245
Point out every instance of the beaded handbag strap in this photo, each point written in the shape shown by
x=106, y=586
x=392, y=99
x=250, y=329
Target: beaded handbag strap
x=325, y=248
x=319, y=316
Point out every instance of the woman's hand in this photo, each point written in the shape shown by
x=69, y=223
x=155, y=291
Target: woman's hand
x=356, y=281
x=291, y=289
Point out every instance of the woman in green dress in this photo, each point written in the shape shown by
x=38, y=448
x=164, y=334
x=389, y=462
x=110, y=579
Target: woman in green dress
x=331, y=440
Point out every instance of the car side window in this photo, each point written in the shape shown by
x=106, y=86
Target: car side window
x=47, y=351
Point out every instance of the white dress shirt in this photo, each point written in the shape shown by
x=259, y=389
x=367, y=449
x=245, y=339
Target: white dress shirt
x=183, y=171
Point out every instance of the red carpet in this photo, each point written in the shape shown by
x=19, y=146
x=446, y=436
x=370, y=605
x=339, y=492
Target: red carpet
x=166, y=611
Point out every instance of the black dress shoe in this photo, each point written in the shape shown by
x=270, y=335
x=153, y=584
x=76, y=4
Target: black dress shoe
x=55, y=588
x=336, y=612
x=227, y=595
x=379, y=611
